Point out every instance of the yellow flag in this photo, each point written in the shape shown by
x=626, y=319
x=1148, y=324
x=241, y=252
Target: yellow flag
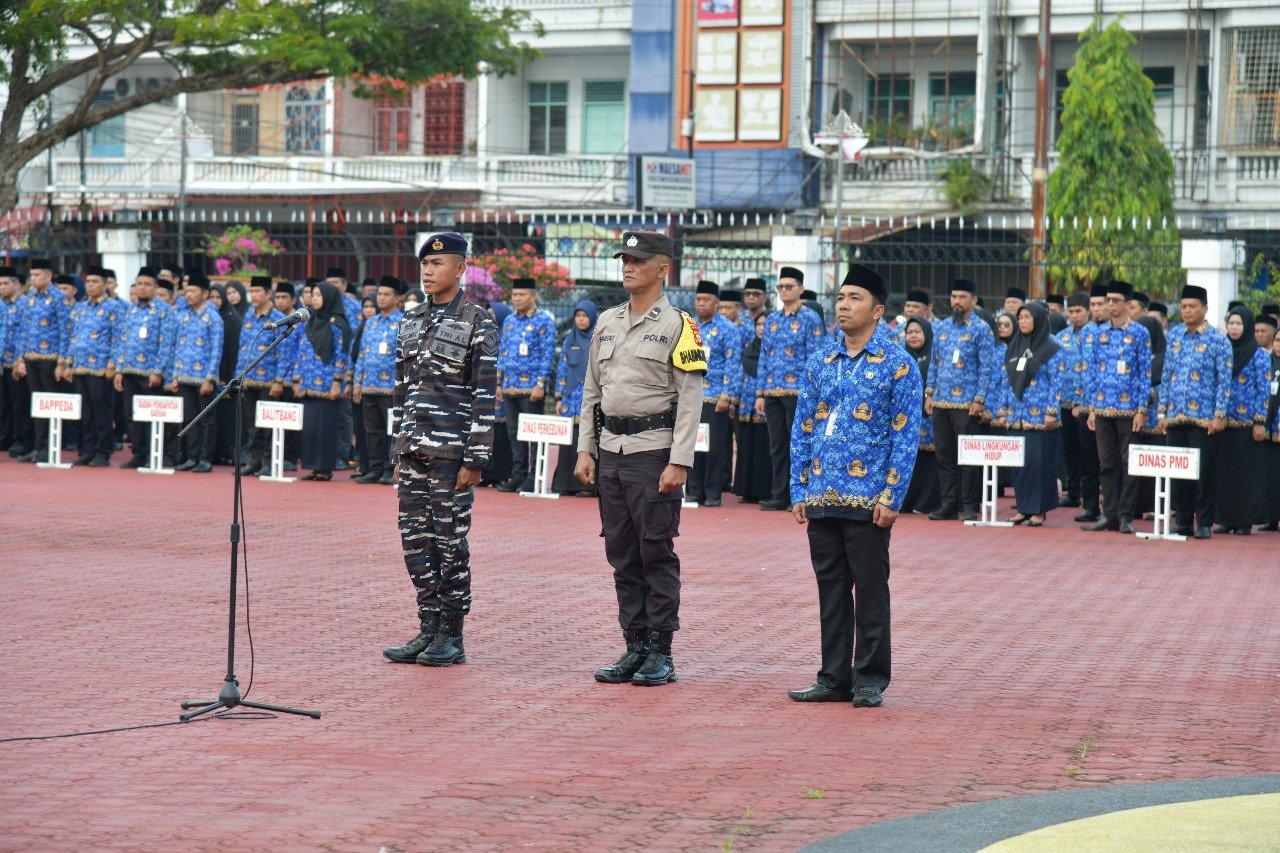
x=690, y=354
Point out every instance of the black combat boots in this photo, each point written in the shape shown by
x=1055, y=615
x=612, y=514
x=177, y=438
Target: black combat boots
x=627, y=665
x=658, y=667
x=408, y=653
x=446, y=649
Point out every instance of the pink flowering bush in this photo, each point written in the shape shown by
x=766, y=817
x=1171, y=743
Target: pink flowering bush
x=480, y=284
x=504, y=266
x=233, y=253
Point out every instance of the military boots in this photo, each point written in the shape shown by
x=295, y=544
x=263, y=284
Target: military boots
x=446, y=649
x=408, y=653
x=631, y=661
x=658, y=667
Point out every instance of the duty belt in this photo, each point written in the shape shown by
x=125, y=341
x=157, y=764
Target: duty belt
x=632, y=426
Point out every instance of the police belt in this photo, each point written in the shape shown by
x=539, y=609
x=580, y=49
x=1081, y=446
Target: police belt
x=632, y=426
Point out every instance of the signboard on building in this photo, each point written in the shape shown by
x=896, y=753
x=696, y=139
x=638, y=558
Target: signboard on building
x=667, y=183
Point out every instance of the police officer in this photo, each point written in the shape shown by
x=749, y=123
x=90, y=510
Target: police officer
x=267, y=379
x=526, y=345
x=375, y=377
x=642, y=397
x=446, y=360
x=853, y=451
x=43, y=335
x=720, y=389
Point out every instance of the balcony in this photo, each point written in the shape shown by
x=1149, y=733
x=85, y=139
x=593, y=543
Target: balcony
x=1204, y=180
x=507, y=181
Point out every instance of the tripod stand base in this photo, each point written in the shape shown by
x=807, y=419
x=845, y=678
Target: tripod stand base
x=229, y=697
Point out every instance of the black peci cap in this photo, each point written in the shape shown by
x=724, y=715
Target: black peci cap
x=391, y=282
x=148, y=272
x=263, y=281
x=1016, y=293
x=523, y=284
x=792, y=272
x=1120, y=288
x=287, y=287
x=335, y=272
x=198, y=278
x=868, y=279
x=1267, y=319
x=730, y=295
x=645, y=244
x=708, y=287
x=1271, y=308
x=42, y=264
x=8, y=272
x=165, y=283
x=1054, y=299
x=755, y=284
x=920, y=296
x=1141, y=298
x=1159, y=308
x=964, y=284
x=100, y=272
x=1192, y=291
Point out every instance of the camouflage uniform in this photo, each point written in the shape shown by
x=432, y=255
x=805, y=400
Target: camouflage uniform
x=445, y=391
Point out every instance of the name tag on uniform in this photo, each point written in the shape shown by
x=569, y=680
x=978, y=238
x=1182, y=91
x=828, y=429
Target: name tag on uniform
x=1275, y=387
x=955, y=356
x=524, y=349
x=142, y=333
x=451, y=339
x=1121, y=367
x=383, y=349
x=1022, y=364
x=831, y=424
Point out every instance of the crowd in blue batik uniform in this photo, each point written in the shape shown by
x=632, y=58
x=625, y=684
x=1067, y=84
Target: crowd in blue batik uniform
x=723, y=342
x=197, y=349
x=961, y=372
x=788, y=342
x=255, y=339
x=1118, y=382
x=144, y=345
x=375, y=371
x=525, y=351
x=1195, y=387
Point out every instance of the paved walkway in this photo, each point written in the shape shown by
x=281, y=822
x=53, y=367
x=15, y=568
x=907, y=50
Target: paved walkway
x=1027, y=662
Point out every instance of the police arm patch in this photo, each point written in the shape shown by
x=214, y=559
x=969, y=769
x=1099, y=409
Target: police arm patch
x=690, y=354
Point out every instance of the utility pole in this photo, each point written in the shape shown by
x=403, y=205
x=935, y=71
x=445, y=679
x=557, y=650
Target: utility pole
x=182, y=177
x=1040, y=168
x=843, y=136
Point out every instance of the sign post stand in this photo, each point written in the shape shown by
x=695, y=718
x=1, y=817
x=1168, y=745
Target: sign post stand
x=55, y=408
x=701, y=444
x=1166, y=464
x=992, y=453
x=157, y=411
x=277, y=417
x=545, y=430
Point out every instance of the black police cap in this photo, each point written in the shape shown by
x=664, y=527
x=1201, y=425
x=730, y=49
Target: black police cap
x=645, y=244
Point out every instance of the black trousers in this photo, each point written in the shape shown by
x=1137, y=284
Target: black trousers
x=1069, y=471
x=377, y=411
x=197, y=445
x=97, y=418
x=780, y=412
x=1090, y=472
x=292, y=437
x=562, y=479
x=522, y=453
x=40, y=380
x=256, y=441
x=851, y=562
x=139, y=431
x=948, y=426
x=18, y=428
x=1119, y=490
x=706, y=479
x=639, y=525
x=1195, y=501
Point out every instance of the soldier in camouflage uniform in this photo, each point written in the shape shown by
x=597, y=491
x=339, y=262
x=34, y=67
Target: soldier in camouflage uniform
x=446, y=377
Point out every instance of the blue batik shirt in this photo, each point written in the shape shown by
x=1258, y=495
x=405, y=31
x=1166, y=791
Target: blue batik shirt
x=857, y=428
x=525, y=351
x=963, y=352
x=254, y=340
x=144, y=346
x=1118, y=373
x=1196, y=387
x=1250, y=392
x=789, y=341
x=1041, y=397
x=1073, y=365
x=723, y=343
x=94, y=327
x=197, y=348
x=351, y=308
x=311, y=373
x=570, y=398
x=8, y=332
x=44, y=324
x=376, y=362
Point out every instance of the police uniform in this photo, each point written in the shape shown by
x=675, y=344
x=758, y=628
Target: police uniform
x=446, y=357
x=642, y=397
x=854, y=446
x=723, y=380
x=375, y=376
x=94, y=327
x=41, y=340
x=526, y=345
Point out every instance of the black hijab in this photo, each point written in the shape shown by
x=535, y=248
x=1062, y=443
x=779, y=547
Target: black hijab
x=925, y=352
x=330, y=314
x=243, y=307
x=1013, y=322
x=1158, y=345
x=1037, y=348
x=751, y=350
x=231, y=324
x=1243, y=349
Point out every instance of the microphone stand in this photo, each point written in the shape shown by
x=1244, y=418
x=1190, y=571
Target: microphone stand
x=229, y=696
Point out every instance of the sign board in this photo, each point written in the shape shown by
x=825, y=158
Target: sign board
x=271, y=415
x=62, y=406
x=667, y=183
x=1177, y=463
x=157, y=410
x=703, y=442
x=548, y=429
x=996, y=450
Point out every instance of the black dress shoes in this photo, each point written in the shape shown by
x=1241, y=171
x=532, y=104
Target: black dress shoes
x=1204, y=532
x=82, y=459
x=1069, y=502
x=970, y=515
x=202, y=468
x=185, y=466
x=1126, y=527
x=774, y=506
x=1103, y=523
x=1089, y=515
x=1183, y=530
x=386, y=480
x=943, y=515
x=131, y=463
x=711, y=502
x=371, y=477
x=509, y=486
x=820, y=693
x=99, y=462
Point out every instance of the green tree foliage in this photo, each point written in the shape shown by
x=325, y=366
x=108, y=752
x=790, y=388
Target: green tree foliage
x=218, y=44
x=1114, y=170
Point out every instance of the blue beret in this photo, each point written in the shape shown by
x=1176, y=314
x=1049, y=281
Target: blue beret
x=444, y=243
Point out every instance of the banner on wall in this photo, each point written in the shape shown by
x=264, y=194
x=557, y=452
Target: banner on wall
x=717, y=13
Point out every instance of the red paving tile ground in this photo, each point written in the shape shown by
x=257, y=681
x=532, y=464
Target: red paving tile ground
x=1026, y=661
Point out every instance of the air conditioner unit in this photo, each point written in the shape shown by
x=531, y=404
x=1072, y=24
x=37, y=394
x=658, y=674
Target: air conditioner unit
x=122, y=88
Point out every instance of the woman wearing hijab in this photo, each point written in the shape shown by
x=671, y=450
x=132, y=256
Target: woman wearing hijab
x=237, y=297
x=1240, y=495
x=1005, y=328
x=1149, y=434
x=317, y=379
x=1271, y=448
x=923, y=494
x=570, y=375
x=224, y=419
x=1029, y=406
x=499, y=470
x=753, y=472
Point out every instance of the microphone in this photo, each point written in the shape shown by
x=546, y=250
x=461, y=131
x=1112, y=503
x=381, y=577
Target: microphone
x=302, y=315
